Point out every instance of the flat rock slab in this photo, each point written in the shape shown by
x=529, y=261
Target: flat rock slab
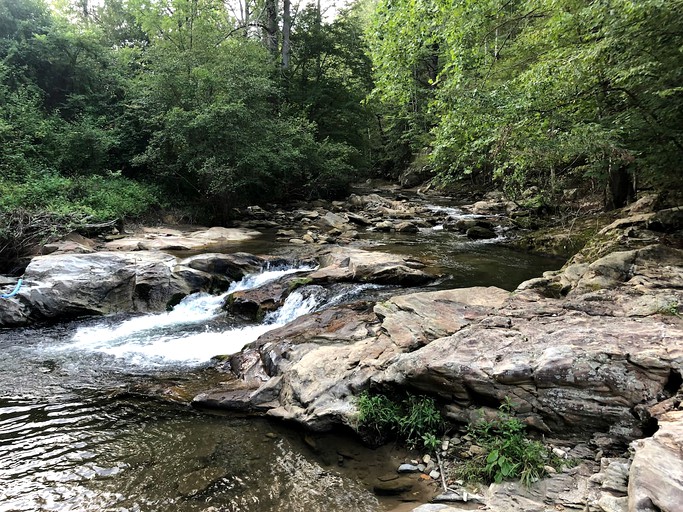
x=167, y=239
x=355, y=265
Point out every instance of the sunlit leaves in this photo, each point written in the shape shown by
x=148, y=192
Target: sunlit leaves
x=531, y=88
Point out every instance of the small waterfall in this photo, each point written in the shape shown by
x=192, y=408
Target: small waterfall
x=190, y=333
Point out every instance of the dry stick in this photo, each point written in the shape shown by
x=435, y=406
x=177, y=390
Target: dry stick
x=443, y=476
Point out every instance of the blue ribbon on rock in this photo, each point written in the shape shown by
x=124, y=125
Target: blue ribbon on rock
x=14, y=292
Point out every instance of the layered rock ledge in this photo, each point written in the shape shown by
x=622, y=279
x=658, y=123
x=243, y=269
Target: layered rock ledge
x=592, y=353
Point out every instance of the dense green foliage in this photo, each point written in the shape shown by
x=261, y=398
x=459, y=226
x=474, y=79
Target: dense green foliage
x=412, y=419
x=112, y=110
x=171, y=92
x=535, y=91
x=115, y=108
x=508, y=453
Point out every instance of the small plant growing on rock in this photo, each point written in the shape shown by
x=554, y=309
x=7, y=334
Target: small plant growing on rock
x=377, y=415
x=670, y=309
x=413, y=419
x=508, y=453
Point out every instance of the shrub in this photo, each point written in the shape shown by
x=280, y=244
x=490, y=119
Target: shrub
x=99, y=198
x=508, y=453
x=412, y=418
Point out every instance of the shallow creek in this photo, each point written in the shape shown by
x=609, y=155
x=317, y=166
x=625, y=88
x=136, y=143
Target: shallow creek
x=72, y=439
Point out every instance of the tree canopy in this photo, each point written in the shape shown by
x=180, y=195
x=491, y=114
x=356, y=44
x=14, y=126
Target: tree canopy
x=528, y=92
x=111, y=108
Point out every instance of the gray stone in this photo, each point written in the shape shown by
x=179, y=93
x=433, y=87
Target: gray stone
x=479, y=233
x=408, y=468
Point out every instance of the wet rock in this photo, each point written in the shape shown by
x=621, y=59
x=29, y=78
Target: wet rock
x=406, y=227
x=199, y=481
x=479, y=233
x=393, y=487
x=68, y=285
x=234, y=266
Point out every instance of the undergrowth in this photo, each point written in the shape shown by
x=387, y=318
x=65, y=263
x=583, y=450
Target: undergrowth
x=508, y=452
x=413, y=419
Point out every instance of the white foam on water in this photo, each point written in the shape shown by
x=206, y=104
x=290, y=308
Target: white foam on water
x=453, y=212
x=173, y=337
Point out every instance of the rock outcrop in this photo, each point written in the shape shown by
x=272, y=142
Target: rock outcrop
x=62, y=286
x=587, y=363
x=58, y=286
x=655, y=481
x=165, y=239
x=355, y=265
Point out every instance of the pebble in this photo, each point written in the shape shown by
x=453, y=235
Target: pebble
x=407, y=468
x=560, y=453
x=476, y=450
x=426, y=459
x=435, y=475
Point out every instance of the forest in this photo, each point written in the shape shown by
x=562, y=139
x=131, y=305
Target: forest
x=117, y=108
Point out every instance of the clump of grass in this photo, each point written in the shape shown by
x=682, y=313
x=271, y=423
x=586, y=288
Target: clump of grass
x=671, y=309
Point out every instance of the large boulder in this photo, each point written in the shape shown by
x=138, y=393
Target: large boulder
x=67, y=285
x=355, y=265
x=571, y=366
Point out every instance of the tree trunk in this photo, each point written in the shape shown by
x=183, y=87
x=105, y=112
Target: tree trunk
x=620, y=188
x=286, y=30
x=270, y=27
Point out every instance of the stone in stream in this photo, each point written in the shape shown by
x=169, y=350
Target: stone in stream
x=393, y=487
x=479, y=233
x=199, y=481
x=61, y=286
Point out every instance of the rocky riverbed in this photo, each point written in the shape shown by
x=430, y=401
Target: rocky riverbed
x=591, y=355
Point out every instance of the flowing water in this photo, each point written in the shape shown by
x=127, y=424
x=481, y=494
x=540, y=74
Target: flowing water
x=71, y=441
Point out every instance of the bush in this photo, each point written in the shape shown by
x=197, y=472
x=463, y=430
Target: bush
x=413, y=419
x=46, y=206
x=99, y=198
x=508, y=453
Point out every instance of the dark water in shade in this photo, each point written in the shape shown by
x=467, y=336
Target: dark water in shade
x=121, y=455
x=69, y=441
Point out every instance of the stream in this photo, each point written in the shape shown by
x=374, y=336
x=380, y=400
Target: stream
x=72, y=439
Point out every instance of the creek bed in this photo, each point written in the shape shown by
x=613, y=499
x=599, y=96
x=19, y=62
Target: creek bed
x=74, y=438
